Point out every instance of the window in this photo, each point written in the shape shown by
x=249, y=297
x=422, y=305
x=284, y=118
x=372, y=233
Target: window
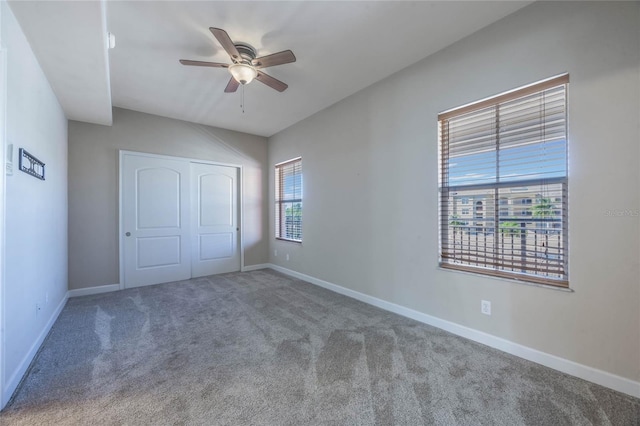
x=289, y=200
x=511, y=151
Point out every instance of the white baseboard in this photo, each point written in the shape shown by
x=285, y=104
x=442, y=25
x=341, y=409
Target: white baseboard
x=256, y=267
x=93, y=290
x=591, y=374
x=17, y=375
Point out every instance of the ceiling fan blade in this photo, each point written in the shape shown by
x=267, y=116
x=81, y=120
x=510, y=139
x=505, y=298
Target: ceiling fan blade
x=271, y=82
x=203, y=64
x=284, y=57
x=232, y=86
x=224, y=39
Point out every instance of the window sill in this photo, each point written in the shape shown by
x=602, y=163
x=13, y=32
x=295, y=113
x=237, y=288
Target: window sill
x=289, y=241
x=509, y=280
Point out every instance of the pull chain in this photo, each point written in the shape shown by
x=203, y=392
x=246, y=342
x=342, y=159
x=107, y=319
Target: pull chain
x=242, y=102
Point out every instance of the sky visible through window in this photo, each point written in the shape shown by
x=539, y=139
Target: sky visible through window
x=292, y=186
x=542, y=160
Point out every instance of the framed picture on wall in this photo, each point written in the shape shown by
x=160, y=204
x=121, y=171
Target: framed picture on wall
x=31, y=165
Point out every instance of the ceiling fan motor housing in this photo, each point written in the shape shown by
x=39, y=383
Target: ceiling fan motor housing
x=247, y=53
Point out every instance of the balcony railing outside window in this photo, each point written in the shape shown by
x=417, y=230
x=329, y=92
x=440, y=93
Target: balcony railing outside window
x=515, y=246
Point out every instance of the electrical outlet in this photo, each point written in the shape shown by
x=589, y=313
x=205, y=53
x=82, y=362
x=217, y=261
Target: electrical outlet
x=275, y=253
x=287, y=256
x=485, y=307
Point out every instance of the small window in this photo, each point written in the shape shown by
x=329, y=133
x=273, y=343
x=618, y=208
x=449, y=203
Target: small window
x=289, y=200
x=511, y=151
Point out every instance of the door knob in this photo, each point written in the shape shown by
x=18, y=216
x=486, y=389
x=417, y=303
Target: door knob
x=128, y=234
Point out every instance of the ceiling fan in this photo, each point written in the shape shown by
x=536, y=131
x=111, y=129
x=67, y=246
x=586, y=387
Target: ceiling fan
x=245, y=66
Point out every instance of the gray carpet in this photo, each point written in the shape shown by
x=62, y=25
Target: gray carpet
x=260, y=348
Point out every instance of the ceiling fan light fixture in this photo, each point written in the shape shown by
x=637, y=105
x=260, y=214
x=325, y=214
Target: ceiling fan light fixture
x=243, y=73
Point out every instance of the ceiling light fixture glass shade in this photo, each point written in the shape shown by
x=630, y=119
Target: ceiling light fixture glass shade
x=243, y=73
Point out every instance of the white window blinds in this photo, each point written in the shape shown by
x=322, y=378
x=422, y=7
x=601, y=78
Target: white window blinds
x=503, y=185
x=288, y=203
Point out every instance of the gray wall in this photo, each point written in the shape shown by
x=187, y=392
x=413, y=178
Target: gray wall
x=93, y=184
x=35, y=228
x=371, y=184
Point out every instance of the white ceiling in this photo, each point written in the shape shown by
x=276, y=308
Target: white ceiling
x=69, y=41
x=341, y=47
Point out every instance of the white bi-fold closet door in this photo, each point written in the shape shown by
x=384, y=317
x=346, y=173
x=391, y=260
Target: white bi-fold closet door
x=179, y=219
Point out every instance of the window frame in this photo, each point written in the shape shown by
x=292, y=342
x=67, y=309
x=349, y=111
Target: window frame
x=281, y=202
x=447, y=190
